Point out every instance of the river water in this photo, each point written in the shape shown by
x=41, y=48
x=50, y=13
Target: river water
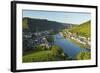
x=68, y=47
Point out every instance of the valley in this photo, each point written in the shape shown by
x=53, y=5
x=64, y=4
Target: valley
x=45, y=40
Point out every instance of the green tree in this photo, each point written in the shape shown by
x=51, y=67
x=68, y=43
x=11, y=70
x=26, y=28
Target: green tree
x=84, y=56
x=56, y=50
x=50, y=39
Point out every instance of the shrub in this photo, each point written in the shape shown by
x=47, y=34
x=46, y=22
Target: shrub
x=84, y=56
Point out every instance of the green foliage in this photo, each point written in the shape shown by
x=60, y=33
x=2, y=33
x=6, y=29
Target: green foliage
x=55, y=53
x=83, y=29
x=38, y=56
x=56, y=50
x=53, y=32
x=25, y=23
x=84, y=56
x=50, y=39
x=36, y=49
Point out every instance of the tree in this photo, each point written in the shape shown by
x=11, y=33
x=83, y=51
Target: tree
x=50, y=39
x=56, y=50
x=84, y=56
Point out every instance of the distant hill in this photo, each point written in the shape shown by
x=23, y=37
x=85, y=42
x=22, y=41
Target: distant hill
x=32, y=24
x=83, y=29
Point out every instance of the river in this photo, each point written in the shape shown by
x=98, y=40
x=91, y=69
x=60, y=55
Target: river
x=69, y=48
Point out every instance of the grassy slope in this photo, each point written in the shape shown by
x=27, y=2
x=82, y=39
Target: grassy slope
x=42, y=56
x=53, y=54
x=83, y=29
x=38, y=56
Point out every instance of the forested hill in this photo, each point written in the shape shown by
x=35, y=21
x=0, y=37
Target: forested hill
x=32, y=24
x=83, y=29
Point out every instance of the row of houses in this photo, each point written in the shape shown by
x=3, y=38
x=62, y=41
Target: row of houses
x=37, y=34
x=80, y=39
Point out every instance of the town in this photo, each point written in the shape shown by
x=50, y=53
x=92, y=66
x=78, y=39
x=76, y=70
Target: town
x=31, y=40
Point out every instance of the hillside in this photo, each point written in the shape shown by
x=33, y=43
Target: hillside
x=32, y=24
x=54, y=53
x=83, y=29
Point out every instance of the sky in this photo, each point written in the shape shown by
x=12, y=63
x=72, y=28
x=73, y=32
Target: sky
x=59, y=16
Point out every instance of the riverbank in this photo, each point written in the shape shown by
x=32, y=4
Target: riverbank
x=79, y=44
x=69, y=48
x=72, y=39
